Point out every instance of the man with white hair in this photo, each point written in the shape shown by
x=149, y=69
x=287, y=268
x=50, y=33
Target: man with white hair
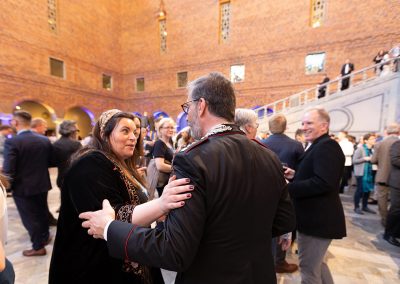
x=315, y=195
x=246, y=119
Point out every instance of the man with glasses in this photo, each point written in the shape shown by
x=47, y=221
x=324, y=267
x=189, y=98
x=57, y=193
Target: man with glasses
x=223, y=233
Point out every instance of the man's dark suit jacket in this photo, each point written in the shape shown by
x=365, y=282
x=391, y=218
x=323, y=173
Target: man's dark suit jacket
x=315, y=190
x=288, y=150
x=223, y=233
x=351, y=69
x=26, y=161
x=63, y=149
x=394, y=176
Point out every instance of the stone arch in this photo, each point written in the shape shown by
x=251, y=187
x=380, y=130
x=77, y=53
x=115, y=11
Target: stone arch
x=84, y=119
x=39, y=109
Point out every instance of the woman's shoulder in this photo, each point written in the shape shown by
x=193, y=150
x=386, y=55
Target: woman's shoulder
x=159, y=143
x=92, y=159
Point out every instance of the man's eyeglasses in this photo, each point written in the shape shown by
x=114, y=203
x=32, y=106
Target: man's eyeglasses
x=186, y=106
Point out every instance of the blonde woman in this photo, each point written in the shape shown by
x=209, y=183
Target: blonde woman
x=163, y=151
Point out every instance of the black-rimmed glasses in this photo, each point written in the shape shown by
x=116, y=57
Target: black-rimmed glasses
x=186, y=106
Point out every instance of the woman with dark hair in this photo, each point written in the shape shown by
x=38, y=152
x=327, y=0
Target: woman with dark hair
x=106, y=169
x=183, y=139
x=363, y=173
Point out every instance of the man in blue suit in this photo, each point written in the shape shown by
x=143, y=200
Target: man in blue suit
x=289, y=152
x=26, y=161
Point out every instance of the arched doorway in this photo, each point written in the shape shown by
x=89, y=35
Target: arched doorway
x=84, y=119
x=39, y=110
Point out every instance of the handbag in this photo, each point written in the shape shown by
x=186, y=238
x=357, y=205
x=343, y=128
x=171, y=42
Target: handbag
x=155, y=178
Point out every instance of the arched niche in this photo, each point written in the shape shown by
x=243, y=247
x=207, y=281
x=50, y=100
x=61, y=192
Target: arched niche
x=84, y=119
x=39, y=110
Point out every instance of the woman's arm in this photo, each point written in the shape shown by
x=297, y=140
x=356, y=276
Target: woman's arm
x=174, y=194
x=162, y=166
x=2, y=258
x=358, y=157
x=173, y=197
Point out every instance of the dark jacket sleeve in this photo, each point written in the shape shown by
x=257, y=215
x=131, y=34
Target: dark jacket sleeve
x=175, y=247
x=328, y=164
x=10, y=158
x=285, y=218
x=395, y=154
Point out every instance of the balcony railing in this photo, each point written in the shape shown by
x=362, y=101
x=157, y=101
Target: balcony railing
x=334, y=86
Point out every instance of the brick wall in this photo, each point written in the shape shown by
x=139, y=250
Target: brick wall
x=121, y=38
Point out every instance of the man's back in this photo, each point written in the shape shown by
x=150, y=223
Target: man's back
x=26, y=161
x=288, y=150
x=382, y=158
x=63, y=149
x=223, y=233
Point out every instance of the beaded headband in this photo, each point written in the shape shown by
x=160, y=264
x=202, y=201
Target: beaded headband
x=105, y=117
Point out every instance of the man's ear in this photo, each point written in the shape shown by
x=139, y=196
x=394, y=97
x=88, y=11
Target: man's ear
x=246, y=128
x=202, y=106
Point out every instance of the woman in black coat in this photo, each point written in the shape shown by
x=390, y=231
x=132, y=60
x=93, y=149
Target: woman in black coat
x=105, y=169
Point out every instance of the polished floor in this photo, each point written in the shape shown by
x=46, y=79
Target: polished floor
x=362, y=257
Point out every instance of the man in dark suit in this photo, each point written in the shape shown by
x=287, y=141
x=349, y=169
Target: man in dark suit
x=26, y=161
x=289, y=152
x=315, y=194
x=223, y=233
x=347, y=68
x=39, y=126
x=322, y=89
x=64, y=147
x=392, y=229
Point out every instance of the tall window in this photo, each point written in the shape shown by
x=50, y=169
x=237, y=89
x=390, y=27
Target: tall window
x=182, y=79
x=317, y=12
x=163, y=34
x=315, y=63
x=56, y=67
x=139, y=84
x=52, y=15
x=224, y=22
x=107, y=82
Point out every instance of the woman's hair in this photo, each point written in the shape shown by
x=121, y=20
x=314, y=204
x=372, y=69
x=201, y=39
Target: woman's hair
x=164, y=121
x=4, y=181
x=161, y=124
x=101, y=142
x=180, y=136
x=139, y=147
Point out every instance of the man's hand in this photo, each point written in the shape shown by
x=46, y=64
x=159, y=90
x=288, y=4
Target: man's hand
x=289, y=173
x=285, y=242
x=97, y=220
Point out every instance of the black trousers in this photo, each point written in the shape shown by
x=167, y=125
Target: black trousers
x=34, y=215
x=345, y=83
x=345, y=178
x=393, y=217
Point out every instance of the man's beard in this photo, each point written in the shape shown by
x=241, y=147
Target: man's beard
x=195, y=127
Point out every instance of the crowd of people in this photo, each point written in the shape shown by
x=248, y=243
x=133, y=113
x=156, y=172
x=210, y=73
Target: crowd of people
x=386, y=62
x=213, y=202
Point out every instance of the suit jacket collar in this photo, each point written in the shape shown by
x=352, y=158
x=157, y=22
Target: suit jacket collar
x=22, y=131
x=316, y=141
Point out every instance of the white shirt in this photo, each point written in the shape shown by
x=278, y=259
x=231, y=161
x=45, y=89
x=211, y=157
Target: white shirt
x=348, y=151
